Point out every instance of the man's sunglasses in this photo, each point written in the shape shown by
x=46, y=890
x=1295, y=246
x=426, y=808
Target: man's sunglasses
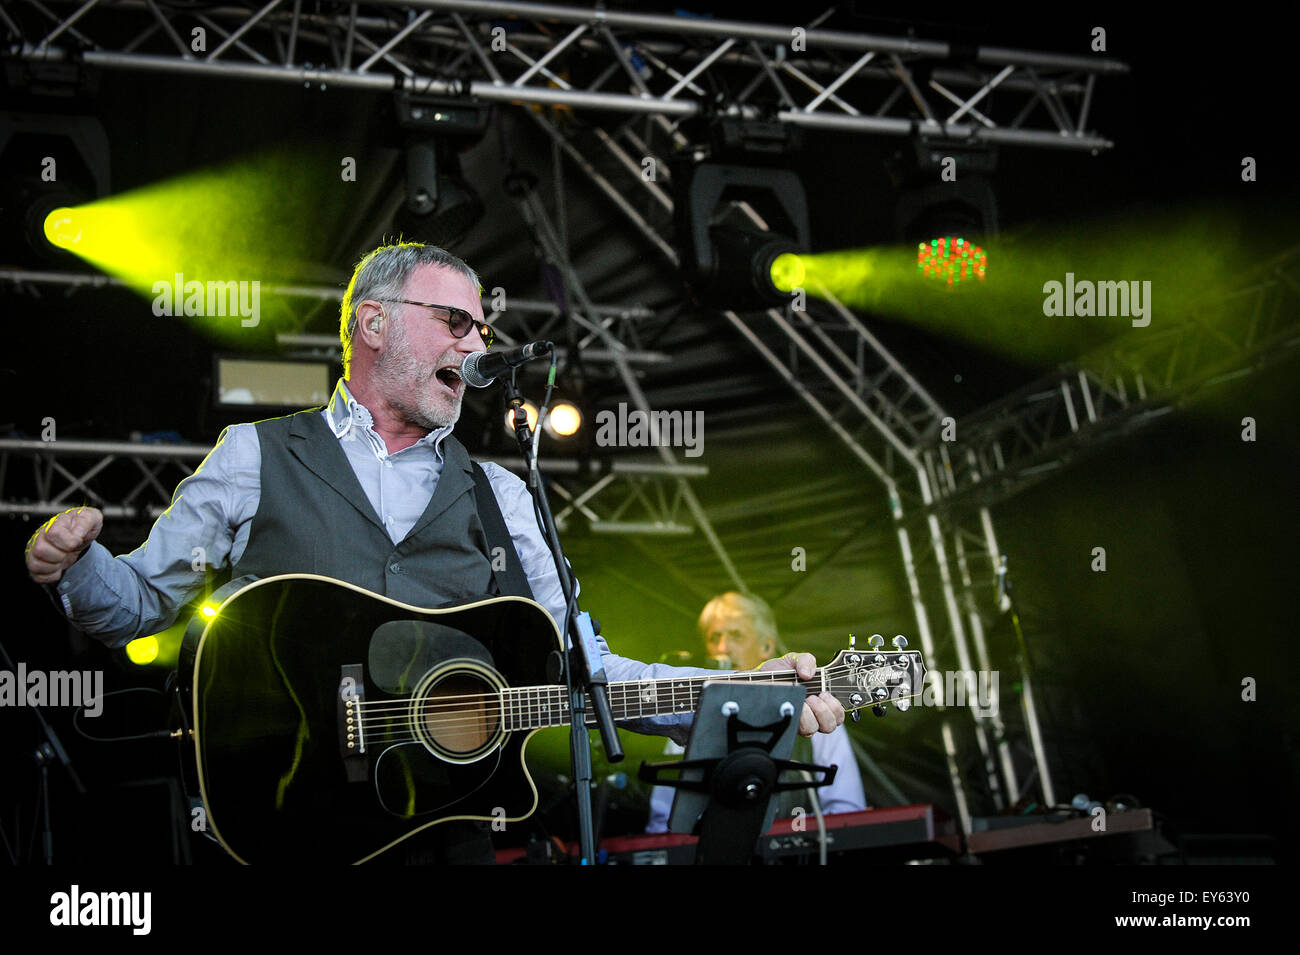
x=457, y=319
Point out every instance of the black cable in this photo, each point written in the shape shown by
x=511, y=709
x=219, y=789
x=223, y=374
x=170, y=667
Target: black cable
x=13, y=859
x=154, y=734
x=36, y=815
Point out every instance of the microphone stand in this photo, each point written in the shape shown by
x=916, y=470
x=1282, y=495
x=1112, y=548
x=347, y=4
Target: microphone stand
x=584, y=670
x=48, y=750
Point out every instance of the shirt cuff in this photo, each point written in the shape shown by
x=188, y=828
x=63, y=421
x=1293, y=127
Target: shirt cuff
x=78, y=580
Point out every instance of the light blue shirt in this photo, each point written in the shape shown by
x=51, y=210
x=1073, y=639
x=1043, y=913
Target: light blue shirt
x=117, y=599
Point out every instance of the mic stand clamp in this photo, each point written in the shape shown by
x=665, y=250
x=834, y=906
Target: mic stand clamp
x=584, y=668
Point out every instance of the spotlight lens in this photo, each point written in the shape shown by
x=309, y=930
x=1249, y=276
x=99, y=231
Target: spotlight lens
x=787, y=272
x=61, y=229
x=142, y=651
x=565, y=419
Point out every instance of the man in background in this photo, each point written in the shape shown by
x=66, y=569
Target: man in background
x=739, y=633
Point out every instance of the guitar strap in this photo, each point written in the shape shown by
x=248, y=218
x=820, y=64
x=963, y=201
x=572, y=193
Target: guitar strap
x=510, y=582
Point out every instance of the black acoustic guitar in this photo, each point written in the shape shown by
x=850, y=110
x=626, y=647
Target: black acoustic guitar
x=330, y=723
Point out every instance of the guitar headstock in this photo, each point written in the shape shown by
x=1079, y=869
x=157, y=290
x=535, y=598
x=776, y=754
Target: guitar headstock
x=874, y=676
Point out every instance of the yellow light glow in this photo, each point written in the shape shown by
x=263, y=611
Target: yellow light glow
x=142, y=651
x=251, y=222
x=62, y=228
x=208, y=611
x=565, y=419
x=788, y=272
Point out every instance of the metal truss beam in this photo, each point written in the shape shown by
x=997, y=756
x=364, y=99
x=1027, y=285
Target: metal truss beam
x=554, y=247
x=616, y=497
x=835, y=358
x=633, y=63
x=520, y=320
x=1141, y=376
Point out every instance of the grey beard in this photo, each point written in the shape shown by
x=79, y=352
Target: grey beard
x=396, y=372
x=429, y=418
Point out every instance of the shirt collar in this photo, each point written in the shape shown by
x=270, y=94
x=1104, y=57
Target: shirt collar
x=344, y=412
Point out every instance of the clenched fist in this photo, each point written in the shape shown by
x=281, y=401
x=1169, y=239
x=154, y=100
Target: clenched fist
x=57, y=545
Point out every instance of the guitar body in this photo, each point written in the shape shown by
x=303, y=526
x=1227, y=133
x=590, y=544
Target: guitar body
x=330, y=723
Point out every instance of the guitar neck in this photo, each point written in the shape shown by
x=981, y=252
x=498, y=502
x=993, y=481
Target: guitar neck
x=537, y=707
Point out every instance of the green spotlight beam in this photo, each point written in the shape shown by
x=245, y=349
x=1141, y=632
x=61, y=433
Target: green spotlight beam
x=242, y=223
x=1170, y=267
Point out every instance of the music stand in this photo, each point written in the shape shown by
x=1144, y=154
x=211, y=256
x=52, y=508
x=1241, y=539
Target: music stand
x=739, y=746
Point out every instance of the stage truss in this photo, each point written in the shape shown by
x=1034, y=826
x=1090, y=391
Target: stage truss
x=653, y=73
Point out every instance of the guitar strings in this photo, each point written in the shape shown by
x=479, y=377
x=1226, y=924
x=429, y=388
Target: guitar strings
x=626, y=691
x=441, y=704
x=767, y=675
x=388, y=725
x=517, y=700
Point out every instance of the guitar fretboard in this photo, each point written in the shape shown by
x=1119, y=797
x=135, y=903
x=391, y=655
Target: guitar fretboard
x=537, y=707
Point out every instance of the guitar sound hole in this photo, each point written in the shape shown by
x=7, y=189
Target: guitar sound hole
x=460, y=714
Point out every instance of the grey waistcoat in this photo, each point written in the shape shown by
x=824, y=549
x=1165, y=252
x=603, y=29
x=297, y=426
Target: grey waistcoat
x=315, y=518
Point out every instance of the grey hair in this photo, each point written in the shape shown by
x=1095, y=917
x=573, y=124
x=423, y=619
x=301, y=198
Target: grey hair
x=382, y=275
x=751, y=605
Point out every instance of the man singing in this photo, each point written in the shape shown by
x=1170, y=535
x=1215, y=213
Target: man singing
x=372, y=489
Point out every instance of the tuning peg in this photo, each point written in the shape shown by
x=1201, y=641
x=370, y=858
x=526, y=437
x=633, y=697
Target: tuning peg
x=879, y=709
x=899, y=642
x=876, y=641
x=856, y=715
x=853, y=641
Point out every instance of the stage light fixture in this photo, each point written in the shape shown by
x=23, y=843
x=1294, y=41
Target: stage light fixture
x=48, y=166
x=440, y=206
x=730, y=261
x=950, y=222
x=952, y=260
x=563, y=420
x=745, y=273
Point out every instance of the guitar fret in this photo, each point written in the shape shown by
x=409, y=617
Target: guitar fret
x=539, y=707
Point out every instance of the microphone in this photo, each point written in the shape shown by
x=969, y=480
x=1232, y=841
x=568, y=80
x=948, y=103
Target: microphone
x=480, y=368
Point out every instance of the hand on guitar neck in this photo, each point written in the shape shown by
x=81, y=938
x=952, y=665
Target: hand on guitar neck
x=822, y=712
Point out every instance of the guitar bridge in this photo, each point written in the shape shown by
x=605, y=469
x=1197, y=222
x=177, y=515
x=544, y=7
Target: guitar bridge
x=352, y=736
